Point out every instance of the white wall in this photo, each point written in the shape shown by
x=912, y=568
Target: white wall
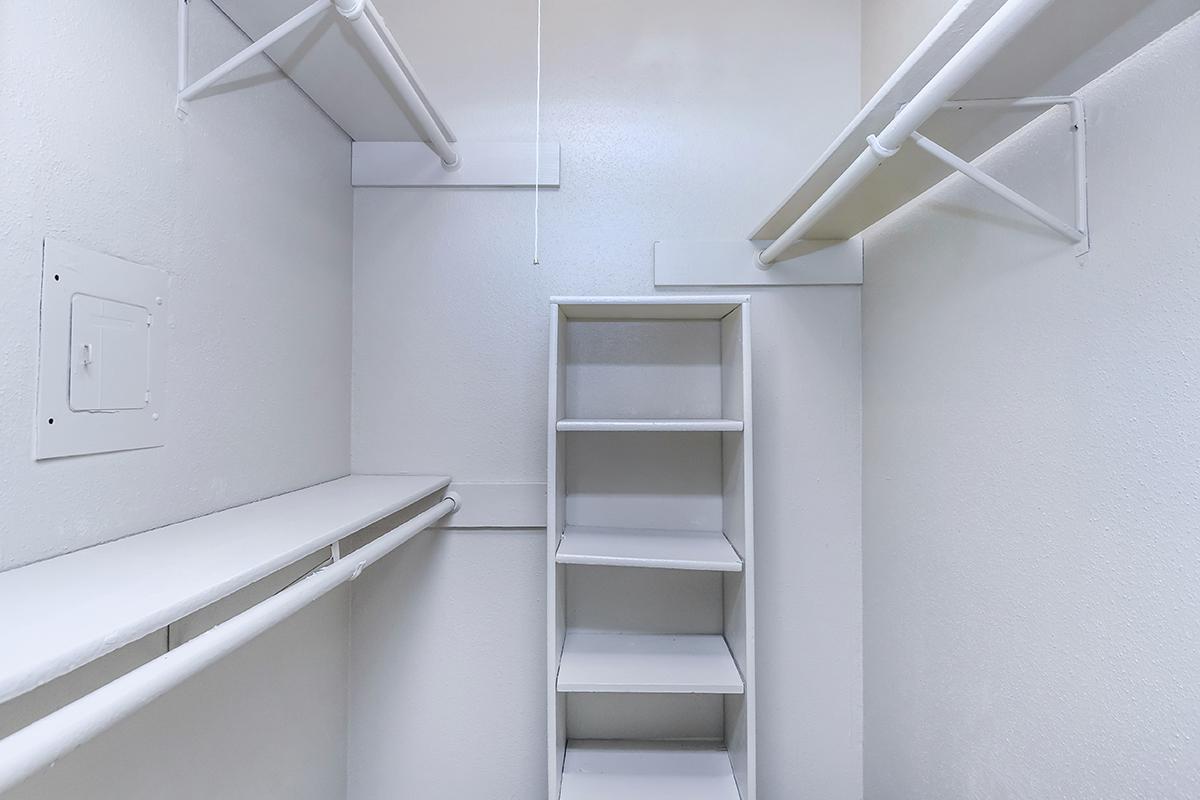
x=1032, y=457
x=676, y=120
x=891, y=29
x=246, y=204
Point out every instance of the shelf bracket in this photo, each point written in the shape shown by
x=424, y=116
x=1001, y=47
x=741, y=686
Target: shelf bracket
x=1076, y=232
x=188, y=91
x=364, y=21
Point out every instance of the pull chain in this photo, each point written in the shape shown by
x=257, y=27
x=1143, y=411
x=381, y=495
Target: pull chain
x=537, y=138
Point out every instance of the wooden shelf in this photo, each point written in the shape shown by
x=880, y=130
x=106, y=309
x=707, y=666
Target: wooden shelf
x=1066, y=47
x=660, y=549
x=599, y=770
x=614, y=662
x=662, y=425
x=60, y=614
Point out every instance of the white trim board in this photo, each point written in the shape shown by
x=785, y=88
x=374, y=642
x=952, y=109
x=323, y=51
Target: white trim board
x=734, y=263
x=413, y=164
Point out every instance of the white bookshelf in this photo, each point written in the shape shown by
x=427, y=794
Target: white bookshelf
x=650, y=549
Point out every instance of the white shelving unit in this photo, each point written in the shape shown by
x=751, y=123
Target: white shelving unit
x=650, y=549
x=93, y=601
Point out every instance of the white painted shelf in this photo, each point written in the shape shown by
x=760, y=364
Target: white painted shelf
x=59, y=614
x=607, y=770
x=1063, y=49
x=324, y=58
x=662, y=425
x=661, y=549
x=616, y=662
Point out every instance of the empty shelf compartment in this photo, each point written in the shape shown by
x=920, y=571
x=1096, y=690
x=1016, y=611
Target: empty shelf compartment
x=604, y=770
x=661, y=549
x=654, y=663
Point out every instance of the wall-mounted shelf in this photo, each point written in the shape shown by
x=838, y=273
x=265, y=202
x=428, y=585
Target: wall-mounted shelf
x=650, y=567
x=93, y=601
x=647, y=771
x=342, y=54
x=615, y=662
x=655, y=549
x=986, y=70
x=1064, y=45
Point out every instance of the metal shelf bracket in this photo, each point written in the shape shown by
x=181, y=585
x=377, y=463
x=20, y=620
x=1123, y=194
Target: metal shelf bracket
x=1077, y=231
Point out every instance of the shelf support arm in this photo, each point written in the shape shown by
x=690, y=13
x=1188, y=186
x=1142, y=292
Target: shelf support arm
x=980, y=177
x=989, y=40
x=254, y=49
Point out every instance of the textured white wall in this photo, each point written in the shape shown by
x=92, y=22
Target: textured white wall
x=891, y=29
x=1032, y=457
x=247, y=205
x=676, y=120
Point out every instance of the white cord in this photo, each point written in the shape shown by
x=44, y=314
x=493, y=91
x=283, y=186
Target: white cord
x=537, y=137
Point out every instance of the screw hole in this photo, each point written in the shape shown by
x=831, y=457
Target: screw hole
x=51, y=420
x=55, y=277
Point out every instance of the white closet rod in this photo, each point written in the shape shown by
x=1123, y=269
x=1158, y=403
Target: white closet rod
x=32, y=748
x=367, y=24
x=367, y=27
x=995, y=34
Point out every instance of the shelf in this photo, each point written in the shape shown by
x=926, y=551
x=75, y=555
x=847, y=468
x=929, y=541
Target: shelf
x=93, y=601
x=659, y=307
x=599, y=770
x=608, y=662
x=661, y=425
x=324, y=57
x=1063, y=49
x=661, y=549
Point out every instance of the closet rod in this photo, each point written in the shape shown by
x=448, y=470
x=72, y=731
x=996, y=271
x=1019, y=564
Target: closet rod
x=366, y=27
x=987, y=42
x=38, y=745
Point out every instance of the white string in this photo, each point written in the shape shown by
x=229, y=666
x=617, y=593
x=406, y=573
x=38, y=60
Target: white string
x=537, y=138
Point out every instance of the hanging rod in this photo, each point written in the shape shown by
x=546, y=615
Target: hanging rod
x=365, y=21
x=38, y=745
x=987, y=42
